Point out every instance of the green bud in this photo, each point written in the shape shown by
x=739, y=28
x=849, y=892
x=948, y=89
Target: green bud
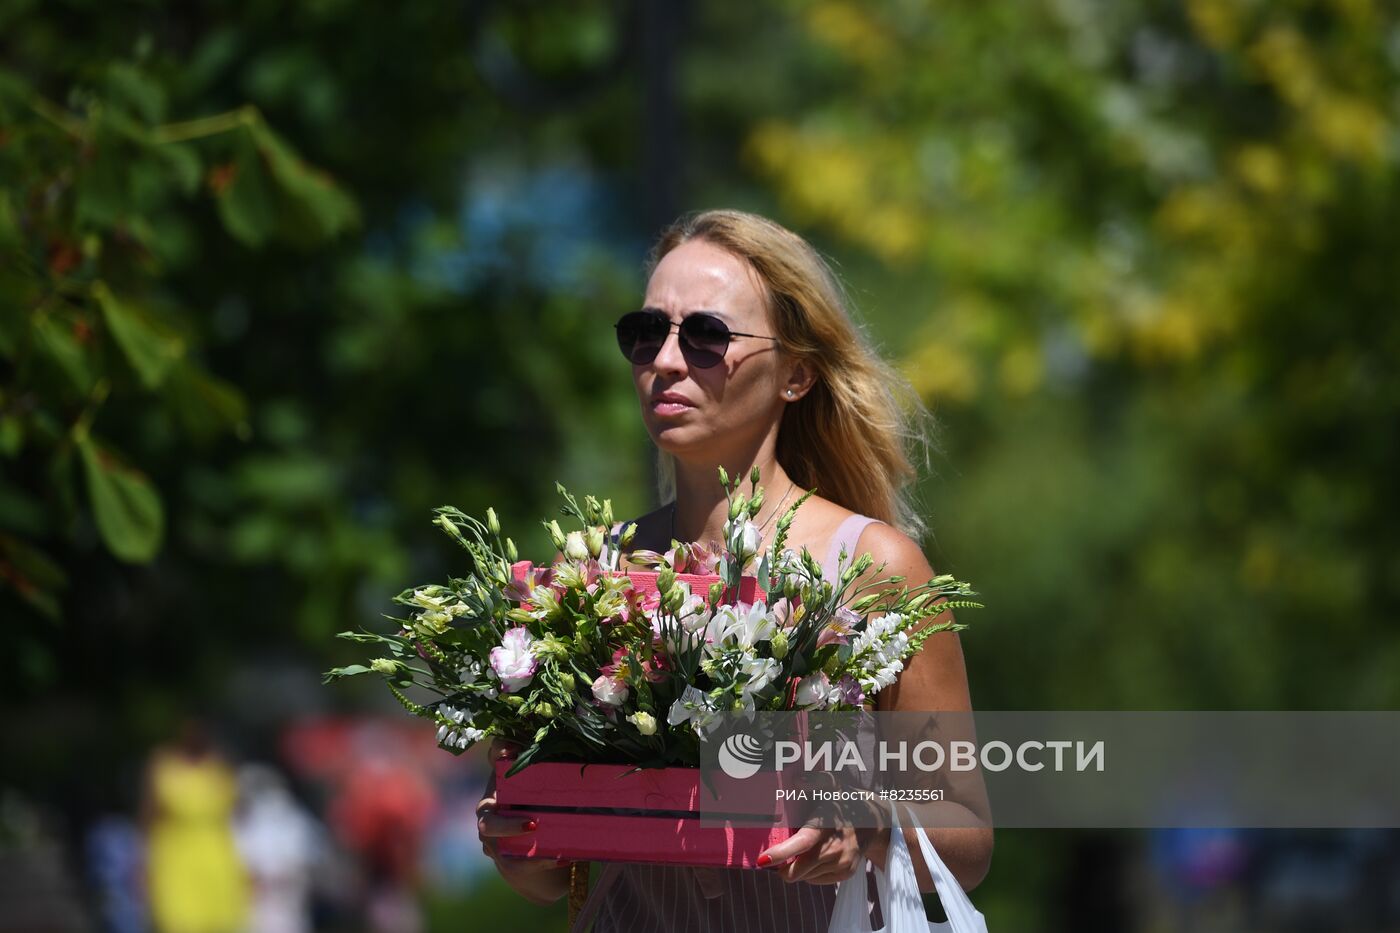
x=723, y=476
x=566, y=682
x=552, y=646
x=493, y=524
x=513, y=699
x=607, y=513
x=556, y=534
x=511, y=554
x=756, y=504
x=384, y=665
x=545, y=710
x=780, y=645
x=754, y=474
x=519, y=615
x=449, y=526
x=736, y=506
x=628, y=534
x=593, y=537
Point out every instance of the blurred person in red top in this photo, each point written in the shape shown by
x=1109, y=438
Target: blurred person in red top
x=381, y=814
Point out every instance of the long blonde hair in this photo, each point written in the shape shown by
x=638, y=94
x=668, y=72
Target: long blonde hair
x=853, y=435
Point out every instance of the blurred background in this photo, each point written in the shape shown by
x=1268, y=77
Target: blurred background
x=281, y=278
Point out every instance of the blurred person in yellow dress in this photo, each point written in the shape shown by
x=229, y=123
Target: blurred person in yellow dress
x=195, y=880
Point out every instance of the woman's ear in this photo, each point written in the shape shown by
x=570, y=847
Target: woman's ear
x=799, y=382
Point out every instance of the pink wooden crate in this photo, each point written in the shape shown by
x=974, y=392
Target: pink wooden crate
x=617, y=837
x=659, y=837
x=644, y=581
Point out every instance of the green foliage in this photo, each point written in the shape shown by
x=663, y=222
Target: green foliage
x=93, y=191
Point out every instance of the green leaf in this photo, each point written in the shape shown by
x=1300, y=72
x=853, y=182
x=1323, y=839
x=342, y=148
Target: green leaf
x=315, y=208
x=184, y=163
x=128, y=510
x=11, y=435
x=54, y=339
x=32, y=574
x=150, y=346
x=206, y=404
x=350, y=670
x=247, y=206
x=132, y=88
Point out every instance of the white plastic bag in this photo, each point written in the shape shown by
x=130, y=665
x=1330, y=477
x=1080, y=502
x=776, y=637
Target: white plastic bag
x=901, y=904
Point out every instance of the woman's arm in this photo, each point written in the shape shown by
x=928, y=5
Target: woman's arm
x=933, y=679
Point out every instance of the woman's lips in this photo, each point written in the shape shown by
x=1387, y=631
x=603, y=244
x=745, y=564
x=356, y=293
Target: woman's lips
x=667, y=407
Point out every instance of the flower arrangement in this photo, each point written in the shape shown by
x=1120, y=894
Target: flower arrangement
x=591, y=660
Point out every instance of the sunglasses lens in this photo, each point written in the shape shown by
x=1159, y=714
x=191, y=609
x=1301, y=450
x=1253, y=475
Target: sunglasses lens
x=640, y=335
x=704, y=338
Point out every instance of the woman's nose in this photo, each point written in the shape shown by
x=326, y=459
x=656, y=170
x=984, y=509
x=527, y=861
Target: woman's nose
x=670, y=358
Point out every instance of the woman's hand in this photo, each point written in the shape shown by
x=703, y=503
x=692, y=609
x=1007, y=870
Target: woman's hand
x=825, y=855
x=541, y=880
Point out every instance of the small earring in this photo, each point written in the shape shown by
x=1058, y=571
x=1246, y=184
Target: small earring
x=789, y=393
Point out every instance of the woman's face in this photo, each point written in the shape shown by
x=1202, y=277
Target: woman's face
x=738, y=399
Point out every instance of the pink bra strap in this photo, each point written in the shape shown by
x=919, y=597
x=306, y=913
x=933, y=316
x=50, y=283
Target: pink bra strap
x=847, y=533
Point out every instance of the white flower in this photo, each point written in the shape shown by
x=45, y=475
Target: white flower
x=609, y=690
x=760, y=673
x=812, y=690
x=575, y=546
x=431, y=597
x=514, y=662
x=740, y=626
x=462, y=735
x=746, y=542
x=645, y=722
x=692, y=706
x=693, y=618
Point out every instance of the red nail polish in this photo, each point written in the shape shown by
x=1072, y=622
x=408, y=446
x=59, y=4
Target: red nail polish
x=531, y=824
x=764, y=859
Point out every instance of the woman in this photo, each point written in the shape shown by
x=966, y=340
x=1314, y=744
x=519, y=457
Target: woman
x=195, y=881
x=794, y=388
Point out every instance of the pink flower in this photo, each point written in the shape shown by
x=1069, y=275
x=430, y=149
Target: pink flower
x=835, y=632
x=519, y=590
x=514, y=662
x=609, y=691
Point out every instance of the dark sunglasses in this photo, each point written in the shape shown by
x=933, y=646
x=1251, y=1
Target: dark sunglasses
x=704, y=337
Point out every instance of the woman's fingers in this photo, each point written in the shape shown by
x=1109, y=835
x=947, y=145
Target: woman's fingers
x=804, y=839
x=519, y=864
x=491, y=823
x=822, y=856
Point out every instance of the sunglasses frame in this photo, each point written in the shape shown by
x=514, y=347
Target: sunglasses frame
x=686, y=349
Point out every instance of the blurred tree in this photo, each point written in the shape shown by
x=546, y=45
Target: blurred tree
x=1142, y=246
x=231, y=393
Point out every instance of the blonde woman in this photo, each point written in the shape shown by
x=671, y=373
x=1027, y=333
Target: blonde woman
x=744, y=354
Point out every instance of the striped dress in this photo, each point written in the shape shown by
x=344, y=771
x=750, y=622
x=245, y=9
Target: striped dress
x=631, y=897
